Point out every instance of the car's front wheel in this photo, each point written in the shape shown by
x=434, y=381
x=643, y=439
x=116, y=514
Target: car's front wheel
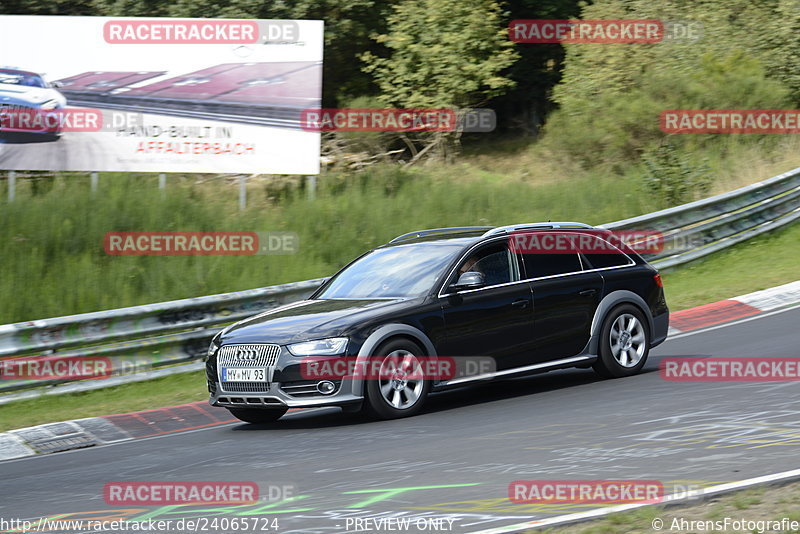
x=397, y=387
x=624, y=343
x=258, y=416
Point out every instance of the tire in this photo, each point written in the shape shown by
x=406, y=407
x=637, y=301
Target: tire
x=258, y=416
x=389, y=398
x=628, y=323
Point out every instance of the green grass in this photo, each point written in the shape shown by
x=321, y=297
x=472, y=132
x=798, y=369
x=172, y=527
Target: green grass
x=760, y=503
x=166, y=391
x=759, y=263
x=53, y=261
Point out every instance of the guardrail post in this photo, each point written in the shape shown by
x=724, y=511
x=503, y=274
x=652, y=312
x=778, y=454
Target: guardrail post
x=311, y=186
x=94, y=177
x=12, y=185
x=242, y=192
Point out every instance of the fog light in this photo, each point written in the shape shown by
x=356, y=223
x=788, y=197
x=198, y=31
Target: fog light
x=326, y=387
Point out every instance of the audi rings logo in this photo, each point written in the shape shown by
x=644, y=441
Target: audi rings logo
x=246, y=354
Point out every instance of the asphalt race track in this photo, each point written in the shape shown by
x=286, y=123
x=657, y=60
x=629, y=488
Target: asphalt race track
x=70, y=151
x=456, y=460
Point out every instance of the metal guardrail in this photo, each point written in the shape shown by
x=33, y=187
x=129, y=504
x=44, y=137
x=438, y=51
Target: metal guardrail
x=694, y=230
x=143, y=338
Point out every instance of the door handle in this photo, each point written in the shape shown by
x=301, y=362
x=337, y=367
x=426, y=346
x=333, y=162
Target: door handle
x=521, y=304
x=587, y=292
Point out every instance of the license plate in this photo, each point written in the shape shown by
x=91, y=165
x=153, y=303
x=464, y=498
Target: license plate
x=250, y=374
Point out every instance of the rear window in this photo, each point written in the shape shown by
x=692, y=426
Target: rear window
x=610, y=256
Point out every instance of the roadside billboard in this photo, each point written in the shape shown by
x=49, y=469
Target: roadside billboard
x=159, y=95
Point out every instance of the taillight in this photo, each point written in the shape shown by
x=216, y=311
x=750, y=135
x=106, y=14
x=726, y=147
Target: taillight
x=657, y=278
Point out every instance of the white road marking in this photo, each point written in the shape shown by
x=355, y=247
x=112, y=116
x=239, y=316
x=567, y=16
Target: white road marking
x=670, y=499
x=733, y=323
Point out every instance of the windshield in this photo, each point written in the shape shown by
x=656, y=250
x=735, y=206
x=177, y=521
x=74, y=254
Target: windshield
x=401, y=271
x=21, y=78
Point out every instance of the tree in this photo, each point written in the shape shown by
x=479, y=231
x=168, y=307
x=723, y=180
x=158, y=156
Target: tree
x=47, y=7
x=443, y=54
x=611, y=95
x=525, y=106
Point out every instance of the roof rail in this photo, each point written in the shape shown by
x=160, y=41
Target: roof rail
x=535, y=226
x=421, y=233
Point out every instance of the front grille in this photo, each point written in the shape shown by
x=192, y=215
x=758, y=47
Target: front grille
x=14, y=109
x=248, y=356
x=16, y=116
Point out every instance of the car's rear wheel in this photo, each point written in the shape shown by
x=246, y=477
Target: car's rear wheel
x=258, y=416
x=624, y=343
x=399, y=387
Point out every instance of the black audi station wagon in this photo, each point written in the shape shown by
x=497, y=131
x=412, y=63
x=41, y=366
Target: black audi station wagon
x=464, y=294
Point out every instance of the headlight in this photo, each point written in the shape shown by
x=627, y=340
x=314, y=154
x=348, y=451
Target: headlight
x=320, y=347
x=50, y=104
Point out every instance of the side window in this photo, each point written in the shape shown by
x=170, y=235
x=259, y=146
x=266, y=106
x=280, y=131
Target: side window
x=602, y=254
x=493, y=261
x=538, y=265
x=547, y=253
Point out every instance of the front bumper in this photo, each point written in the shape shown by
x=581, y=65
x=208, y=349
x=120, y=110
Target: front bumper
x=261, y=400
x=288, y=389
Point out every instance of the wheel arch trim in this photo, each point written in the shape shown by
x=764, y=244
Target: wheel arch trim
x=613, y=299
x=380, y=335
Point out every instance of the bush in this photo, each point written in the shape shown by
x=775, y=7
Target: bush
x=615, y=127
x=670, y=178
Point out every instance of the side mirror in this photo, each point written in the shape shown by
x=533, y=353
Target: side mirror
x=469, y=280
